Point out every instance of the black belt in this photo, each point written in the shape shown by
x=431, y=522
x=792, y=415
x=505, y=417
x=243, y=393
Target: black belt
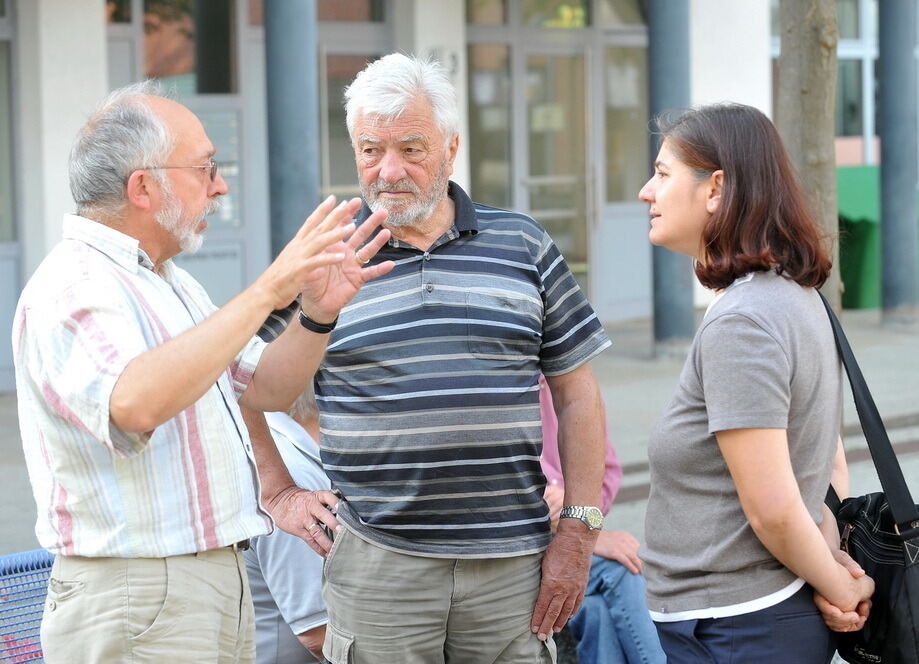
x=241, y=545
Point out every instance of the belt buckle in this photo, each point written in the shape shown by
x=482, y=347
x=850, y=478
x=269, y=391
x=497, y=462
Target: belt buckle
x=241, y=545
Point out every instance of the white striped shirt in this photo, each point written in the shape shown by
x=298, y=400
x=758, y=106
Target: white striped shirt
x=92, y=306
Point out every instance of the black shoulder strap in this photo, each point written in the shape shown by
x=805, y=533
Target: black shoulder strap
x=832, y=500
x=902, y=507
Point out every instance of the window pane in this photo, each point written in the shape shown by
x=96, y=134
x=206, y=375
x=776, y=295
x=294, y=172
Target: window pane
x=555, y=13
x=339, y=176
x=626, y=79
x=486, y=12
x=489, y=124
x=556, y=180
x=620, y=12
x=7, y=227
x=847, y=18
x=117, y=11
x=189, y=45
x=222, y=128
x=362, y=11
x=849, y=98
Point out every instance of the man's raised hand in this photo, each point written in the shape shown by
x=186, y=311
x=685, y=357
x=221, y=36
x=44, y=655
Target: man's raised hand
x=320, y=260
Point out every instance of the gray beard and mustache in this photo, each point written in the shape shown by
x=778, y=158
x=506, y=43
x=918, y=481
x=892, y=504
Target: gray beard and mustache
x=173, y=219
x=417, y=212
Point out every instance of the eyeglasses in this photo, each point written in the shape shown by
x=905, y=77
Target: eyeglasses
x=211, y=167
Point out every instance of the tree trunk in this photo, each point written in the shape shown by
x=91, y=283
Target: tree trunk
x=805, y=111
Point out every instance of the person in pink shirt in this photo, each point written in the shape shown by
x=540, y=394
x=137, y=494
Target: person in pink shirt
x=613, y=625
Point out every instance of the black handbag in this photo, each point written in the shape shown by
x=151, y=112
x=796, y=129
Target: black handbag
x=881, y=532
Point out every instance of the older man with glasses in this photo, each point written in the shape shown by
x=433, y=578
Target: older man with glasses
x=132, y=387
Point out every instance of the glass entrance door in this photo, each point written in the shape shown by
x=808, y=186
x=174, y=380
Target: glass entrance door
x=554, y=187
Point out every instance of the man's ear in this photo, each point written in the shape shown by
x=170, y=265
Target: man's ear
x=716, y=185
x=138, y=191
x=452, y=150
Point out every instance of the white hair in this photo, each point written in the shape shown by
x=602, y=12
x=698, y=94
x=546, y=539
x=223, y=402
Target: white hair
x=387, y=86
x=122, y=136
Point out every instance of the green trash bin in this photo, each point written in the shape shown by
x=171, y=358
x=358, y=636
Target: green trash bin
x=858, y=195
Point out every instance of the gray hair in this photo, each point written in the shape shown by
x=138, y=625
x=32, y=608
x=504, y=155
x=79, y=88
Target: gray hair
x=305, y=407
x=122, y=136
x=387, y=86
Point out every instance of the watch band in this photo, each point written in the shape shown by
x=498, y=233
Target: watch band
x=590, y=515
x=313, y=326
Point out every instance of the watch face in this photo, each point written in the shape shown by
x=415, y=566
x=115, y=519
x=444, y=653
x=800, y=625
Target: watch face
x=594, y=517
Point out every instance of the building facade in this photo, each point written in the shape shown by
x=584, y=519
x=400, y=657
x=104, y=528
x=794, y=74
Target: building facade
x=554, y=94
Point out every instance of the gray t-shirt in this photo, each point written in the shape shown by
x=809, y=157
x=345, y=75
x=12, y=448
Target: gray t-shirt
x=285, y=575
x=763, y=357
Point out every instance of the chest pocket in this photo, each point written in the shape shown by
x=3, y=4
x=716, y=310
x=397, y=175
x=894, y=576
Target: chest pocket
x=501, y=326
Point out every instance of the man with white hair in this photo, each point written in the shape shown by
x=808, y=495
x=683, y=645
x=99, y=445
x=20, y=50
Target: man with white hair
x=130, y=385
x=429, y=400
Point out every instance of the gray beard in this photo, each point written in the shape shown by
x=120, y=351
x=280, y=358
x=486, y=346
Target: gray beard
x=416, y=213
x=173, y=219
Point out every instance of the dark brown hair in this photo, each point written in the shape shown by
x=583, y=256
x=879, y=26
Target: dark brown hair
x=763, y=221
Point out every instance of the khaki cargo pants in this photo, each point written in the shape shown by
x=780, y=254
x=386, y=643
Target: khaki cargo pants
x=391, y=608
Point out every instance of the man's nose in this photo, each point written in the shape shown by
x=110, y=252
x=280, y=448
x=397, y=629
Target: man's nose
x=219, y=186
x=392, y=168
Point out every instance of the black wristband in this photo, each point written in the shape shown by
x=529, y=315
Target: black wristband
x=313, y=326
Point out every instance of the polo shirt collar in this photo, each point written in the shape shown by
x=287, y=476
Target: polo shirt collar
x=465, y=220
x=121, y=248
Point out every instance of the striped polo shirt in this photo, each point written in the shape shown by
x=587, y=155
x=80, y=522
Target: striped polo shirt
x=429, y=393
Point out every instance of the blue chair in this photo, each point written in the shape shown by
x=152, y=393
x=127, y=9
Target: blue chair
x=23, y=585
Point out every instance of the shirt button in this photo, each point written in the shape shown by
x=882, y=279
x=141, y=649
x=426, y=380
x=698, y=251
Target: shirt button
x=52, y=605
x=427, y=256
x=429, y=288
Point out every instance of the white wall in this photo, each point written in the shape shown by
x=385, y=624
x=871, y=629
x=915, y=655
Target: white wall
x=438, y=28
x=61, y=76
x=730, y=52
x=730, y=60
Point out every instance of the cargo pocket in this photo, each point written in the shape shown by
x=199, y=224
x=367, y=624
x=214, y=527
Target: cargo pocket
x=337, y=646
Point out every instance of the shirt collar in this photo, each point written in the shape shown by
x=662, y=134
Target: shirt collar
x=465, y=220
x=121, y=248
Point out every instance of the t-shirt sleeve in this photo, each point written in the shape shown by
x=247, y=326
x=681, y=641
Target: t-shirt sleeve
x=571, y=333
x=745, y=374
x=79, y=345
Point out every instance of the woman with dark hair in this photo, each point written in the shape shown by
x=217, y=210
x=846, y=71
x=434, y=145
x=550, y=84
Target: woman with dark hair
x=736, y=563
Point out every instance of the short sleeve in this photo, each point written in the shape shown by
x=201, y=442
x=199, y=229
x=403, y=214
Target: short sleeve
x=745, y=375
x=243, y=367
x=572, y=333
x=77, y=347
